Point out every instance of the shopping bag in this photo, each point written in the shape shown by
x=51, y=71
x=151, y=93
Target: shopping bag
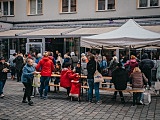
x=157, y=85
x=98, y=77
x=36, y=80
x=147, y=97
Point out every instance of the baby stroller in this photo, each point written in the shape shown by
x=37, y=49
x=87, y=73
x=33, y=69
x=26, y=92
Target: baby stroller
x=75, y=90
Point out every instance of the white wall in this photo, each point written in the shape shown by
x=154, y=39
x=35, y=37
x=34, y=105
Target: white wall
x=85, y=9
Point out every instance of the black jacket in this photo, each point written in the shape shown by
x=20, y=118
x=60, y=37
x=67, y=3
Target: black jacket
x=120, y=78
x=19, y=62
x=3, y=75
x=91, y=68
x=146, y=65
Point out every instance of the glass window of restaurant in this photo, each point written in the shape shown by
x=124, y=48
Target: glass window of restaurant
x=12, y=45
x=63, y=45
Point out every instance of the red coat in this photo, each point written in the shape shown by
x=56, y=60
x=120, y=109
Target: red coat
x=132, y=63
x=46, y=66
x=75, y=89
x=66, y=76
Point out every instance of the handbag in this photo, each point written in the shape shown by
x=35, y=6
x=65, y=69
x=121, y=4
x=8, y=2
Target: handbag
x=157, y=85
x=98, y=76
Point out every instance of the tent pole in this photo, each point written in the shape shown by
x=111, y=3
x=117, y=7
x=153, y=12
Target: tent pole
x=102, y=53
x=129, y=52
x=117, y=53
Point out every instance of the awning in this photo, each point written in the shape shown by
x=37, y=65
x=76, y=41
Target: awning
x=48, y=32
x=92, y=31
x=64, y=32
x=153, y=28
x=11, y=33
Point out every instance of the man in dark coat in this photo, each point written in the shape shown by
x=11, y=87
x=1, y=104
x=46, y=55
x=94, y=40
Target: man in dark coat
x=19, y=62
x=119, y=79
x=146, y=65
x=4, y=68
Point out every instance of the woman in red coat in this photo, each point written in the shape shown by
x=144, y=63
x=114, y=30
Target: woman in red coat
x=132, y=63
x=46, y=67
x=67, y=75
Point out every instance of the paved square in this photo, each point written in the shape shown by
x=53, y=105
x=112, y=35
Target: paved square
x=57, y=107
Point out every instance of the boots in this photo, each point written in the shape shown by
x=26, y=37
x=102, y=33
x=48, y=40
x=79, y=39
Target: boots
x=122, y=100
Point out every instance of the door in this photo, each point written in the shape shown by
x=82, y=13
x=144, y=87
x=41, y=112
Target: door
x=34, y=47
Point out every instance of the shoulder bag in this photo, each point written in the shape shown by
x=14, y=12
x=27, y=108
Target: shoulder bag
x=98, y=76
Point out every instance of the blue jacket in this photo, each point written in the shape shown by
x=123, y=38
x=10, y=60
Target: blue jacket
x=27, y=74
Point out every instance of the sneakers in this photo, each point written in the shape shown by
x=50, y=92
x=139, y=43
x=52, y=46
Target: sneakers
x=1, y=96
x=99, y=102
x=140, y=102
x=45, y=97
x=30, y=103
x=24, y=101
x=90, y=101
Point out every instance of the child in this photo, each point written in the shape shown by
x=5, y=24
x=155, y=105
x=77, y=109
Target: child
x=67, y=75
x=57, y=80
x=78, y=68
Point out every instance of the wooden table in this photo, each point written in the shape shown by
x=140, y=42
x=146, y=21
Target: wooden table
x=82, y=79
x=82, y=76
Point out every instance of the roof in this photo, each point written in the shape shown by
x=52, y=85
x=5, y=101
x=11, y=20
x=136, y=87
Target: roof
x=153, y=28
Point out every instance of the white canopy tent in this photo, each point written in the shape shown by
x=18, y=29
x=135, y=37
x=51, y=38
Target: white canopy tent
x=129, y=34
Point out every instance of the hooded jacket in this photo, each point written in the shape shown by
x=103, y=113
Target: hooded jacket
x=132, y=63
x=45, y=66
x=66, y=76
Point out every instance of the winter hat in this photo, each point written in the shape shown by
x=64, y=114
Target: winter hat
x=72, y=54
x=2, y=58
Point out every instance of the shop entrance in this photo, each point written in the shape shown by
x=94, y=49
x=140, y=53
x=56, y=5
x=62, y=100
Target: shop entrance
x=34, y=47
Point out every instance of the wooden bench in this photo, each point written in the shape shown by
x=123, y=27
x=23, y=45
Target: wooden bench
x=110, y=89
x=134, y=91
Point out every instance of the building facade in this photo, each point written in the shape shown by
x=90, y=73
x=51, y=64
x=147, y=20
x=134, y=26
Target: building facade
x=39, y=25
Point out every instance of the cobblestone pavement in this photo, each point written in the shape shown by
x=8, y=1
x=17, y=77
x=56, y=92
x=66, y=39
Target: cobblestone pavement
x=57, y=107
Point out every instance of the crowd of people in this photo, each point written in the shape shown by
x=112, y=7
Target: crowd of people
x=70, y=67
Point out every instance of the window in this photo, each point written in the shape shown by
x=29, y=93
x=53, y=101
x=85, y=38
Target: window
x=7, y=7
x=68, y=6
x=148, y=3
x=105, y=5
x=35, y=7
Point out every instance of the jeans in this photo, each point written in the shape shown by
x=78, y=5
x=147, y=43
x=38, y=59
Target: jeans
x=2, y=83
x=44, y=85
x=138, y=97
x=92, y=86
x=28, y=91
